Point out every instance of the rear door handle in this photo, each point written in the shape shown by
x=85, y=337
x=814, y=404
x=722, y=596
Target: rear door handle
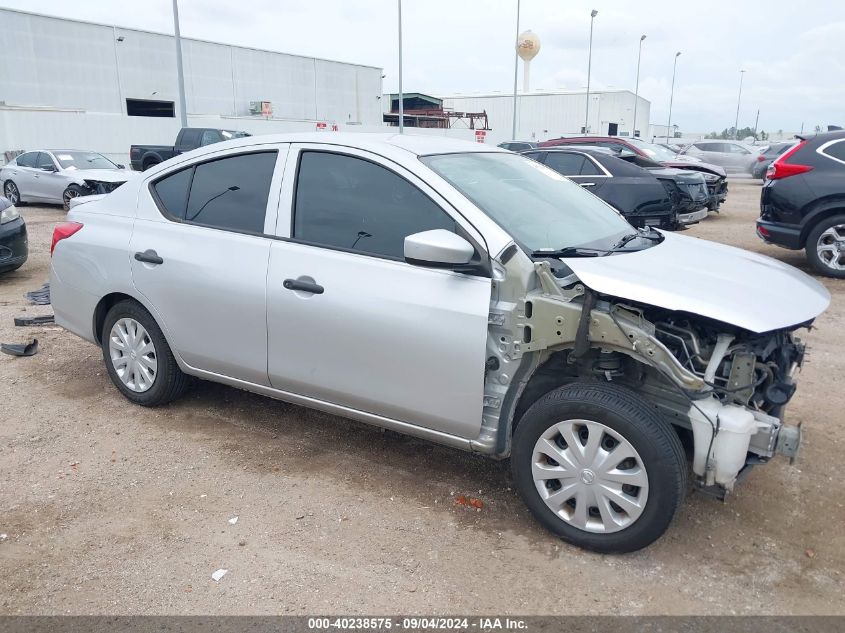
x=304, y=286
x=588, y=184
x=149, y=256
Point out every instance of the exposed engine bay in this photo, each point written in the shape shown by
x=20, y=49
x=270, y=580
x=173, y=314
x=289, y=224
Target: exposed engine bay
x=724, y=387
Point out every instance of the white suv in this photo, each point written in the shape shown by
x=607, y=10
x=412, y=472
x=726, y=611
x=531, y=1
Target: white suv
x=454, y=292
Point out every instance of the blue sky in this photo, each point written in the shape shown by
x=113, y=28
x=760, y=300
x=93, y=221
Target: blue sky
x=793, y=52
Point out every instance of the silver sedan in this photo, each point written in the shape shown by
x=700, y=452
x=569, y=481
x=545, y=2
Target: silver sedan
x=57, y=176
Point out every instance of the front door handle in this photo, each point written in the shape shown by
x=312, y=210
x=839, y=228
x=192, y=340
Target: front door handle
x=149, y=256
x=304, y=286
x=588, y=184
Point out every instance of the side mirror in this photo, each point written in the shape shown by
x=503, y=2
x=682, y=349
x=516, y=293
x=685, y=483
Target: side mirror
x=49, y=168
x=438, y=249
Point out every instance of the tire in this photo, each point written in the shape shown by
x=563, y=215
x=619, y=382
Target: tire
x=621, y=424
x=824, y=234
x=148, y=388
x=12, y=194
x=149, y=163
x=73, y=191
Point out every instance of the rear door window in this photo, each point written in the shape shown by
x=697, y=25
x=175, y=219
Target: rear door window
x=565, y=163
x=589, y=168
x=27, y=160
x=228, y=193
x=231, y=193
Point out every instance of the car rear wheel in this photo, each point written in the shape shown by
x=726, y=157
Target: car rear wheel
x=137, y=357
x=10, y=191
x=598, y=467
x=825, y=247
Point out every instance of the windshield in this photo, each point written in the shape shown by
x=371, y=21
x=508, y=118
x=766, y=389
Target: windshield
x=653, y=151
x=538, y=207
x=229, y=134
x=83, y=160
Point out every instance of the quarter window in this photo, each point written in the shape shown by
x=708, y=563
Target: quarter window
x=353, y=204
x=227, y=193
x=836, y=150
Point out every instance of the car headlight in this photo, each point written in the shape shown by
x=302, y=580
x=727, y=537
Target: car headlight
x=8, y=214
x=710, y=177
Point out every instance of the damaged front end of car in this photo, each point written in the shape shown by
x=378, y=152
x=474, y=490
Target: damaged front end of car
x=723, y=386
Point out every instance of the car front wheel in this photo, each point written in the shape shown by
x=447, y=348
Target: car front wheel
x=825, y=247
x=138, y=359
x=599, y=467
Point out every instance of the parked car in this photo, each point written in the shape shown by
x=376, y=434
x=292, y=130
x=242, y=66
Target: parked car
x=802, y=204
x=142, y=157
x=517, y=146
x=59, y=175
x=767, y=156
x=645, y=198
x=455, y=292
x=733, y=156
x=14, y=246
x=714, y=176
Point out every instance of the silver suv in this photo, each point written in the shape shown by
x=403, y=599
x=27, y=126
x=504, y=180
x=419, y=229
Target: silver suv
x=454, y=292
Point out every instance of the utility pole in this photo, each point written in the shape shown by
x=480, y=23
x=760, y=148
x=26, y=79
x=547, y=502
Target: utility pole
x=401, y=95
x=756, y=121
x=515, y=69
x=593, y=15
x=738, y=99
x=183, y=109
x=637, y=89
x=672, y=96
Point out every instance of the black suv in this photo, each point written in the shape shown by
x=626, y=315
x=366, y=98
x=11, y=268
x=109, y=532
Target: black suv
x=802, y=204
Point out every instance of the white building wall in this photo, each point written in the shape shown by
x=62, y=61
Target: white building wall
x=541, y=116
x=60, y=63
x=111, y=134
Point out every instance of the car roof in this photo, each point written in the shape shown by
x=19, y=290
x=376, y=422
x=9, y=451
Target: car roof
x=822, y=136
x=416, y=144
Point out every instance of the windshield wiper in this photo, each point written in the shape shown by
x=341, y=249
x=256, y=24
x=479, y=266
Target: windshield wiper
x=632, y=236
x=569, y=251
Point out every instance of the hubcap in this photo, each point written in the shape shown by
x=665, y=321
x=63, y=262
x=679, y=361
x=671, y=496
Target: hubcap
x=831, y=247
x=133, y=355
x=11, y=192
x=590, y=476
x=70, y=193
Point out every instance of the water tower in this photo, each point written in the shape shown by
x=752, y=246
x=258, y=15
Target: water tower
x=527, y=47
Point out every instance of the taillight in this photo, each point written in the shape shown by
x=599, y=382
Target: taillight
x=761, y=158
x=63, y=231
x=783, y=169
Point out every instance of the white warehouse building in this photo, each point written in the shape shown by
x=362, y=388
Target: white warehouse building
x=545, y=115
x=70, y=83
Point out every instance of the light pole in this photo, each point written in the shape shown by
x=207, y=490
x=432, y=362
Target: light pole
x=515, y=69
x=180, y=74
x=593, y=15
x=672, y=95
x=637, y=89
x=401, y=97
x=738, y=99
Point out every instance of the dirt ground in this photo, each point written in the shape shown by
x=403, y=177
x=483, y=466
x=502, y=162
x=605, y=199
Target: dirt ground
x=109, y=508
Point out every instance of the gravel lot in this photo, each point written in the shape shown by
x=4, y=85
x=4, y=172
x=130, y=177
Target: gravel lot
x=108, y=508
